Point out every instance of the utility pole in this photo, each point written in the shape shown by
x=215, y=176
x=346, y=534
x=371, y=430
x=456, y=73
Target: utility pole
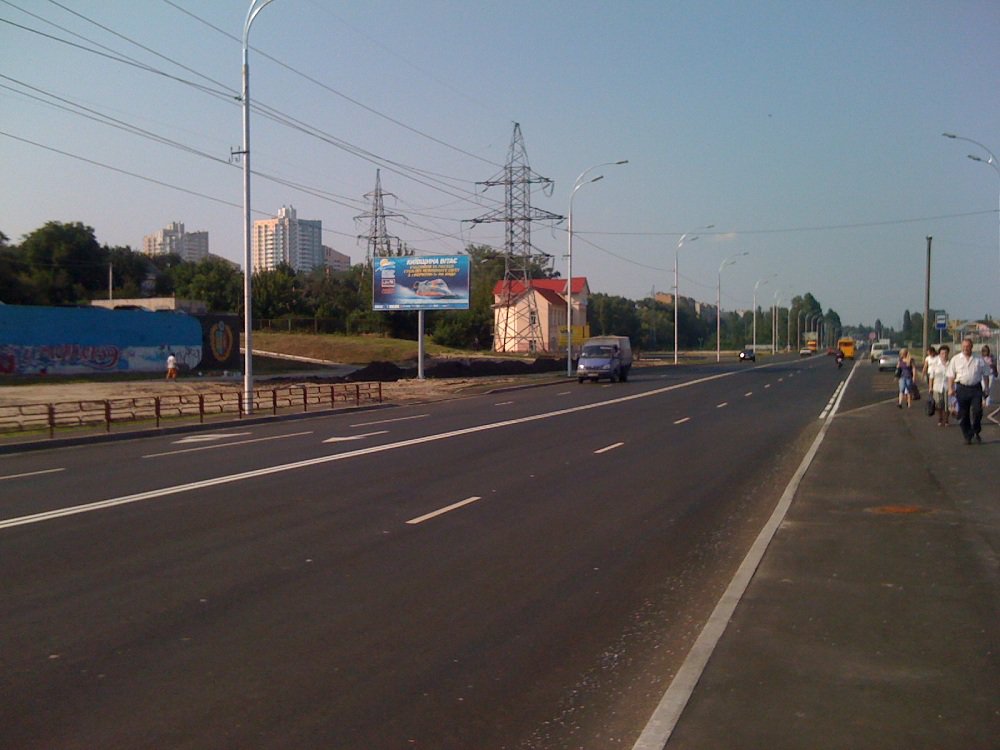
x=927, y=294
x=518, y=328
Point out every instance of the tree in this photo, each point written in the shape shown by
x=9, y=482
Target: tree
x=213, y=280
x=275, y=293
x=66, y=263
x=613, y=316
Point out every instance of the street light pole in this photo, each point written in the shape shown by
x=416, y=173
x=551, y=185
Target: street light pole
x=754, y=311
x=256, y=6
x=718, y=304
x=991, y=161
x=677, y=295
x=580, y=182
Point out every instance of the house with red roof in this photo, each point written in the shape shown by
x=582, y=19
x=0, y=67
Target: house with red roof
x=532, y=317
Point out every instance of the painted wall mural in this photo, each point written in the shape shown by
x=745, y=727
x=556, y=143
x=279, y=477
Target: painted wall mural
x=73, y=340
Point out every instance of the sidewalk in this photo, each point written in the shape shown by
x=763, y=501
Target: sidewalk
x=873, y=620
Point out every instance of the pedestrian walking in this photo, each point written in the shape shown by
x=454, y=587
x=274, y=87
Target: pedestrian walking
x=991, y=365
x=929, y=359
x=905, y=368
x=171, y=366
x=966, y=376
x=937, y=383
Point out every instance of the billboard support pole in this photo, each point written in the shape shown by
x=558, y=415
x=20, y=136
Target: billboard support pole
x=420, y=344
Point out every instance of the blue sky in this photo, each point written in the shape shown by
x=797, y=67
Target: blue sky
x=808, y=133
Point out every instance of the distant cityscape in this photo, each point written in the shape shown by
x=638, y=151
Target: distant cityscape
x=283, y=239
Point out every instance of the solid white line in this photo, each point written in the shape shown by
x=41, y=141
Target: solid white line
x=387, y=421
x=607, y=448
x=724, y=403
x=225, y=445
x=305, y=463
x=442, y=511
x=682, y=421
x=31, y=473
x=664, y=719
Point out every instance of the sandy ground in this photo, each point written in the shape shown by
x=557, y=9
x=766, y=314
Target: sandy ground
x=400, y=391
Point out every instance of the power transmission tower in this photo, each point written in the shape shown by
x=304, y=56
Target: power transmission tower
x=518, y=329
x=381, y=244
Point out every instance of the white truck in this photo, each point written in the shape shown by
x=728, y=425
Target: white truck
x=605, y=357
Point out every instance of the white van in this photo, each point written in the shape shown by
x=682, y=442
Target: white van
x=605, y=357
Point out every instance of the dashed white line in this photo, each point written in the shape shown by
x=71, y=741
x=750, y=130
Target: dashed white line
x=682, y=421
x=724, y=403
x=564, y=393
x=503, y=403
x=442, y=511
x=767, y=385
x=31, y=473
x=345, y=438
x=387, y=421
x=226, y=445
x=607, y=448
x=748, y=393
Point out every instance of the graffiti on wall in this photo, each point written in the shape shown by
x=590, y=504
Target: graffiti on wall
x=53, y=340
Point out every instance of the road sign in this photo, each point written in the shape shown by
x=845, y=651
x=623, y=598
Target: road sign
x=941, y=321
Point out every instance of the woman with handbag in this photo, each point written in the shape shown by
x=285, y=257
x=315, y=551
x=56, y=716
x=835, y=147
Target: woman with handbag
x=905, y=368
x=937, y=376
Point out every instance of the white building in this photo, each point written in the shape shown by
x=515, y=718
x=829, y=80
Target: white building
x=190, y=246
x=288, y=239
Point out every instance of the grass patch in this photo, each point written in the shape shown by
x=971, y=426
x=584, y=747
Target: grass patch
x=349, y=350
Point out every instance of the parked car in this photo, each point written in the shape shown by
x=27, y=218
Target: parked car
x=748, y=355
x=888, y=359
x=805, y=351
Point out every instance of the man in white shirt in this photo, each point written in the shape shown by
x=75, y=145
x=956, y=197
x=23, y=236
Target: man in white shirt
x=966, y=376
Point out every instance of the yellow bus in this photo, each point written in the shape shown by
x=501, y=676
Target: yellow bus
x=846, y=345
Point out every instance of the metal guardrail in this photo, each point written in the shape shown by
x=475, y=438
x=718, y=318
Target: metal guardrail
x=104, y=413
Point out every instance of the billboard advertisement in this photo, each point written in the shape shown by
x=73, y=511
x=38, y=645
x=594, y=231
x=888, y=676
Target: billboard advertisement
x=434, y=282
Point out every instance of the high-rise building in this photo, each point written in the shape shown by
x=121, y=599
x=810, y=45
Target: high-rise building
x=288, y=239
x=190, y=246
x=336, y=261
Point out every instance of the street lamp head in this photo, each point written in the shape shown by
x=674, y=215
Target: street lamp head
x=949, y=135
x=599, y=177
x=623, y=161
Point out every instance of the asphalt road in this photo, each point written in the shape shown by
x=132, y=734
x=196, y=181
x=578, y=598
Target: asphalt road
x=516, y=570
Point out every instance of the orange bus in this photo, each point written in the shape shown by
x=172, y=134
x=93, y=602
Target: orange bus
x=846, y=345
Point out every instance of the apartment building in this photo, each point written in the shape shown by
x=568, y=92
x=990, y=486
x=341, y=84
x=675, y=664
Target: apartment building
x=288, y=239
x=173, y=239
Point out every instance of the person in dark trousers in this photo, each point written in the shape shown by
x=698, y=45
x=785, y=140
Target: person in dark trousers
x=967, y=374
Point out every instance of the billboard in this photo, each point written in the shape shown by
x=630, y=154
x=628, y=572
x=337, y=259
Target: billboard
x=434, y=282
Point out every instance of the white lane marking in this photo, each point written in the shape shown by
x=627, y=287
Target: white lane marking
x=682, y=421
x=607, y=448
x=387, y=421
x=724, y=403
x=31, y=473
x=661, y=724
x=767, y=385
x=226, y=445
x=344, y=439
x=210, y=437
x=833, y=398
x=503, y=403
x=992, y=415
x=306, y=463
x=782, y=380
x=748, y=393
x=564, y=393
x=442, y=511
